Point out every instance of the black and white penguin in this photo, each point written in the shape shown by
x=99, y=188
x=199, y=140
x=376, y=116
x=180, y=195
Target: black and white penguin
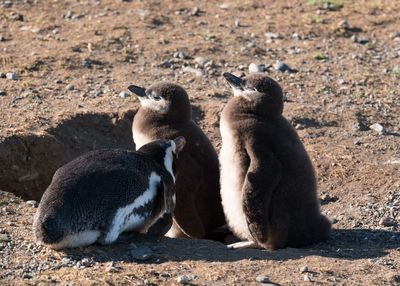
x=268, y=186
x=105, y=192
x=165, y=113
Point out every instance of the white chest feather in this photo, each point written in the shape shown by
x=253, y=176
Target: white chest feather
x=140, y=138
x=127, y=219
x=231, y=183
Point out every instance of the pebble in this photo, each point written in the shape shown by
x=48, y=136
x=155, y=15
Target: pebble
x=32, y=203
x=387, y=221
x=4, y=237
x=262, y=279
x=7, y=3
x=58, y=81
x=281, y=66
x=2, y=92
x=185, y=279
x=123, y=94
x=112, y=268
x=11, y=75
x=70, y=87
x=166, y=64
x=3, y=75
x=395, y=35
x=197, y=72
x=195, y=11
x=254, y=68
x=237, y=23
x=377, y=127
x=2, y=38
x=272, y=36
x=17, y=17
x=201, y=61
x=303, y=269
x=141, y=253
x=306, y=278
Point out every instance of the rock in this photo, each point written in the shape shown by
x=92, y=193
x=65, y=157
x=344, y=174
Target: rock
x=4, y=237
x=344, y=25
x=112, y=268
x=2, y=92
x=2, y=38
x=185, y=279
x=281, y=66
x=262, y=279
x=237, y=23
x=16, y=16
x=306, y=278
x=70, y=87
x=123, y=94
x=395, y=35
x=201, y=61
x=254, y=68
x=377, y=127
x=3, y=75
x=197, y=72
x=272, y=36
x=141, y=253
x=387, y=221
x=195, y=11
x=303, y=269
x=32, y=203
x=12, y=76
x=58, y=81
x=166, y=64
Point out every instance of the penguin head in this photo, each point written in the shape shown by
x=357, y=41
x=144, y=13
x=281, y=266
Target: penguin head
x=259, y=92
x=166, y=99
x=165, y=153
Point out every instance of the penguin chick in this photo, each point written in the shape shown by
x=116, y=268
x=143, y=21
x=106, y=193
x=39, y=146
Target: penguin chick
x=268, y=186
x=165, y=113
x=105, y=192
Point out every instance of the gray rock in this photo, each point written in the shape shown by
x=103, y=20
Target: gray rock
x=272, y=36
x=166, y=64
x=2, y=92
x=7, y=3
x=4, y=237
x=141, y=253
x=58, y=81
x=306, y=278
x=237, y=23
x=262, y=279
x=185, y=279
x=195, y=11
x=2, y=38
x=3, y=75
x=12, y=76
x=32, y=203
x=377, y=127
x=395, y=35
x=387, y=221
x=201, y=61
x=303, y=269
x=254, y=68
x=281, y=66
x=197, y=72
x=70, y=87
x=123, y=94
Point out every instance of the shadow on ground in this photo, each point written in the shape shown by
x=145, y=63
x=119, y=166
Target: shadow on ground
x=345, y=244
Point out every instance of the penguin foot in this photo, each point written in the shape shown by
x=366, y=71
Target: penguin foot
x=244, y=244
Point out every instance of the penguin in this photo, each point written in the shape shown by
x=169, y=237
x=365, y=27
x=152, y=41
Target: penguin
x=105, y=192
x=268, y=185
x=165, y=113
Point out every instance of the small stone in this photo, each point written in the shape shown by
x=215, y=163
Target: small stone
x=70, y=87
x=201, y=61
x=7, y=3
x=123, y=94
x=195, y=11
x=112, y=268
x=16, y=16
x=27, y=276
x=395, y=35
x=344, y=24
x=254, y=68
x=2, y=92
x=197, y=72
x=281, y=66
x=58, y=81
x=377, y=127
x=4, y=237
x=262, y=279
x=166, y=64
x=32, y=203
x=272, y=36
x=185, y=279
x=2, y=38
x=12, y=76
x=3, y=75
x=237, y=23
x=141, y=253
x=387, y=221
x=303, y=269
x=306, y=278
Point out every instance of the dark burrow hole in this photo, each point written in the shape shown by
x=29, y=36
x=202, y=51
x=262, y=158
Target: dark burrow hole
x=29, y=161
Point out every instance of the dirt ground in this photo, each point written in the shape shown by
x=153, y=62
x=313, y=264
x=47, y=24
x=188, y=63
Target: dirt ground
x=72, y=62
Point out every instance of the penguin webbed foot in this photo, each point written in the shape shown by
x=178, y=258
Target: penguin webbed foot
x=244, y=244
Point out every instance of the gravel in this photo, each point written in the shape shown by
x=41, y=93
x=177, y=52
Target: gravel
x=255, y=68
x=262, y=279
x=123, y=94
x=12, y=76
x=377, y=127
x=2, y=92
x=70, y=87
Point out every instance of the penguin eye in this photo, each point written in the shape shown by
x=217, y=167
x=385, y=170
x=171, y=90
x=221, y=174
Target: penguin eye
x=157, y=98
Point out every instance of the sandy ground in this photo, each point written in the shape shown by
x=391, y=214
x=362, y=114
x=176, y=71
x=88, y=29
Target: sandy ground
x=73, y=60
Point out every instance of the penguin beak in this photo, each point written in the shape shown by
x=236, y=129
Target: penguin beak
x=179, y=143
x=139, y=91
x=234, y=81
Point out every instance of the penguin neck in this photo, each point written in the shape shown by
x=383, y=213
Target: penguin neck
x=239, y=108
x=146, y=116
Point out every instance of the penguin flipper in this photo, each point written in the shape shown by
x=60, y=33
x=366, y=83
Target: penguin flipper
x=263, y=176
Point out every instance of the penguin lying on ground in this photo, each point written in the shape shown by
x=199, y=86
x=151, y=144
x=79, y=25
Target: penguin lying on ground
x=268, y=186
x=105, y=192
x=165, y=113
